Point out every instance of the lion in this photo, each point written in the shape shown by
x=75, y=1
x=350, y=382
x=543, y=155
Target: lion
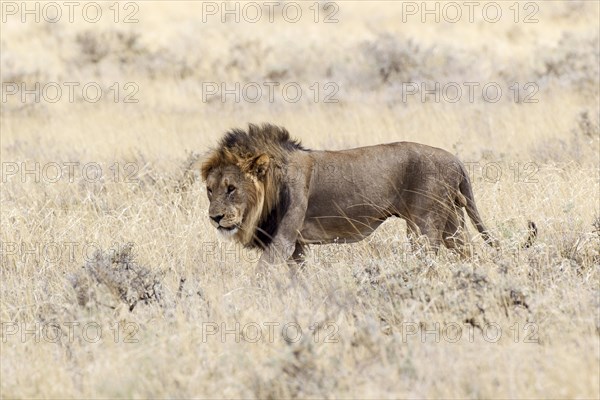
x=267, y=191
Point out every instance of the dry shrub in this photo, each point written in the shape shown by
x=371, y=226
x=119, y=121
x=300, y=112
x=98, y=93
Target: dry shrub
x=247, y=57
x=298, y=372
x=581, y=143
x=189, y=172
x=469, y=294
x=124, y=50
x=119, y=45
x=587, y=126
x=122, y=279
x=577, y=249
x=396, y=60
x=574, y=61
x=393, y=64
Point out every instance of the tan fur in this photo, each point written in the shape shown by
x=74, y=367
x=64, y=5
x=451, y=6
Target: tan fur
x=286, y=196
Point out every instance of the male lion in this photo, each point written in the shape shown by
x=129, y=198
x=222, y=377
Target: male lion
x=267, y=191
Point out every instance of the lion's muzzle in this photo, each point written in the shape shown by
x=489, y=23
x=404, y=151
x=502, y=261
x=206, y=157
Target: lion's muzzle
x=225, y=225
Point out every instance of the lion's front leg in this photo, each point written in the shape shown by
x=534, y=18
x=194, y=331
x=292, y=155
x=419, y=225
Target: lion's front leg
x=279, y=251
x=299, y=254
x=296, y=262
x=284, y=245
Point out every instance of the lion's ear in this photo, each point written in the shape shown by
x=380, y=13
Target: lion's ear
x=206, y=166
x=205, y=170
x=258, y=165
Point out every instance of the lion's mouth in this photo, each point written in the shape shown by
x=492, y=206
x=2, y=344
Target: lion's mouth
x=227, y=231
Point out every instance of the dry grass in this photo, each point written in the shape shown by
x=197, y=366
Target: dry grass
x=377, y=320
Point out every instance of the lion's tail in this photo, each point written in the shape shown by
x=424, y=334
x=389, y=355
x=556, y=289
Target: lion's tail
x=472, y=212
x=469, y=204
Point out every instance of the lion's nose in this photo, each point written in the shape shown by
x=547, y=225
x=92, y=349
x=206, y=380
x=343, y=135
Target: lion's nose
x=217, y=218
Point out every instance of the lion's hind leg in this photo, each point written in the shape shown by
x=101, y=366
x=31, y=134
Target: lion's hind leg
x=428, y=227
x=455, y=234
x=425, y=217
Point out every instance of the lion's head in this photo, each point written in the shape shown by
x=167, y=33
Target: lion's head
x=244, y=181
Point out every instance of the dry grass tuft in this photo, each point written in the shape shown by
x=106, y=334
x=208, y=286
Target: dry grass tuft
x=121, y=276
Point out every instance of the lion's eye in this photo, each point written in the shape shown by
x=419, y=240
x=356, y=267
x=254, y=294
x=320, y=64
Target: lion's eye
x=209, y=190
x=230, y=189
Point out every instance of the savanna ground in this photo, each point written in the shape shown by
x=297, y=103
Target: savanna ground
x=114, y=284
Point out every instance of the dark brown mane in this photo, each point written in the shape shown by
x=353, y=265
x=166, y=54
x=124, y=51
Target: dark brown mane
x=265, y=138
x=238, y=145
